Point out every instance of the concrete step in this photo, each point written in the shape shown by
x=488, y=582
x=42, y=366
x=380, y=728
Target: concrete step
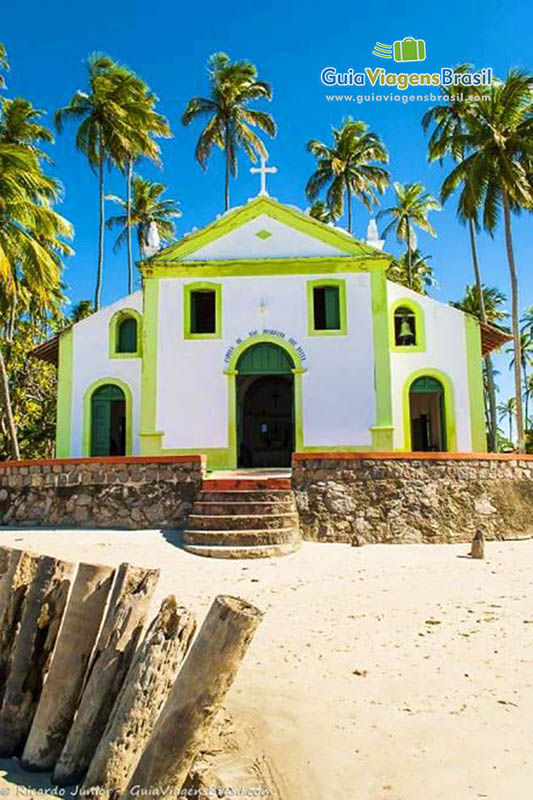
x=243, y=507
x=262, y=551
x=246, y=496
x=234, y=522
x=244, y=538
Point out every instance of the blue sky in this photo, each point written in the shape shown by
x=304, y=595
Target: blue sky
x=168, y=45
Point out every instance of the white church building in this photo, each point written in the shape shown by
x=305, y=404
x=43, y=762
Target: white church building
x=263, y=334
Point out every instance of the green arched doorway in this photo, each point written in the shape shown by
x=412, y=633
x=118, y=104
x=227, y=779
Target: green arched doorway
x=108, y=421
x=265, y=407
x=427, y=411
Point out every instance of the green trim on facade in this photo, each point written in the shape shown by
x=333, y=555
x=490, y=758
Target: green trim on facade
x=449, y=407
x=262, y=205
x=474, y=361
x=87, y=397
x=201, y=286
x=382, y=431
x=116, y=319
x=64, y=394
x=420, y=327
x=241, y=268
x=338, y=283
x=149, y=367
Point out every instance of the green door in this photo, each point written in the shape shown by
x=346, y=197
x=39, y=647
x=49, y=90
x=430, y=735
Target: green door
x=108, y=421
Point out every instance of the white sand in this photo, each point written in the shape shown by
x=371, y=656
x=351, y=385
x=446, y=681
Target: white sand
x=442, y=711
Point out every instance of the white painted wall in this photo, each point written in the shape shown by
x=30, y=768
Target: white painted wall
x=338, y=393
x=445, y=351
x=91, y=363
x=285, y=242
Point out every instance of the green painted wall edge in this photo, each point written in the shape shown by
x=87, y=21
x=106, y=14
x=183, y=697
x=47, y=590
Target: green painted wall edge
x=383, y=438
x=340, y=284
x=64, y=394
x=474, y=361
x=149, y=364
x=420, y=327
x=87, y=421
x=263, y=205
x=449, y=407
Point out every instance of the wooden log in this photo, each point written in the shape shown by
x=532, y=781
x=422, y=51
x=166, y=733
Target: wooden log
x=149, y=681
x=28, y=665
x=198, y=693
x=121, y=631
x=18, y=573
x=478, y=545
x=62, y=690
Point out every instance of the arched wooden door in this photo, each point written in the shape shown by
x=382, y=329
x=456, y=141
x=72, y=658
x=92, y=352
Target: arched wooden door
x=427, y=411
x=108, y=421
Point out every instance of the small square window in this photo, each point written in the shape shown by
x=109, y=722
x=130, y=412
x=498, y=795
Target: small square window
x=203, y=311
x=326, y=308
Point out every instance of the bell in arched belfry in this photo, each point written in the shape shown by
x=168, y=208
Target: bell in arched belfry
x=406, y=334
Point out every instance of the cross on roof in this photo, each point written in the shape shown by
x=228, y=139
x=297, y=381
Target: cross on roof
x=263, y=170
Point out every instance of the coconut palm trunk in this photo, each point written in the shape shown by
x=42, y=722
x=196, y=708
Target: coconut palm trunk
x=100, y=269
x=6, y=402
x=491, y=391
x=228, y=169
x=128, y=224
x=409, y=265
x=515, y=324
x=349, y=204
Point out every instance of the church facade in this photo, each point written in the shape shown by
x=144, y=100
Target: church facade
x=263, y=334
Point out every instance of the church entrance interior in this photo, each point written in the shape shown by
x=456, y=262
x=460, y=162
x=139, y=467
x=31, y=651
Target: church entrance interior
x=428, y=415
x=108, y=421
x=265, y=407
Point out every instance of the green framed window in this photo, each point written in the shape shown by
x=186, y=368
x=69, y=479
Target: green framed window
x=203, y=311
x=326, y=307
x=125, y=334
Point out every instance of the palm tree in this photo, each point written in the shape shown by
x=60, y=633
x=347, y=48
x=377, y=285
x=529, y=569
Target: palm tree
x=233, y=86
x=528, y=394
x=81, y=310
x=526, y=355
x=31, y=248
x=321, y=212
x=508, y=411
x=526, y=320
x=492, y=300
x=147, y=207
x=498, y=147
x=4, y=65
x=419, y=277
x=19, y=124
x=108, y=114
x=346, y=168
x=413, y=205
x=448, y=138
x=140, y=143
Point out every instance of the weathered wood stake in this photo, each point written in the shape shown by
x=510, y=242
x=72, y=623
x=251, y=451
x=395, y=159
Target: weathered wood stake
x=478, y=545
x=146, y=688
x=198, y=693
x=62, y=690
x=18, y=573
x=28, y=665
x=121, y=631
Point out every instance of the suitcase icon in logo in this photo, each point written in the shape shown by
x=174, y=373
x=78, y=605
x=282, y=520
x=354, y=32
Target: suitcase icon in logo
x=410, y=49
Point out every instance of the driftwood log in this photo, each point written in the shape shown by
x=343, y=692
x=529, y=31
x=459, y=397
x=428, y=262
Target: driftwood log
x=62, y=690
x=198, y=693
x=146, y=688
x=121, y=631
x=29, y=662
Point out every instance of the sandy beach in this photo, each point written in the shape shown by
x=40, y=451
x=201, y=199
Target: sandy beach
x=378, y=673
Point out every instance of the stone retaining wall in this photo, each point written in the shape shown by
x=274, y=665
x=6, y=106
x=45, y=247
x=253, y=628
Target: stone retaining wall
x=411, y=498
x=136, y=492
